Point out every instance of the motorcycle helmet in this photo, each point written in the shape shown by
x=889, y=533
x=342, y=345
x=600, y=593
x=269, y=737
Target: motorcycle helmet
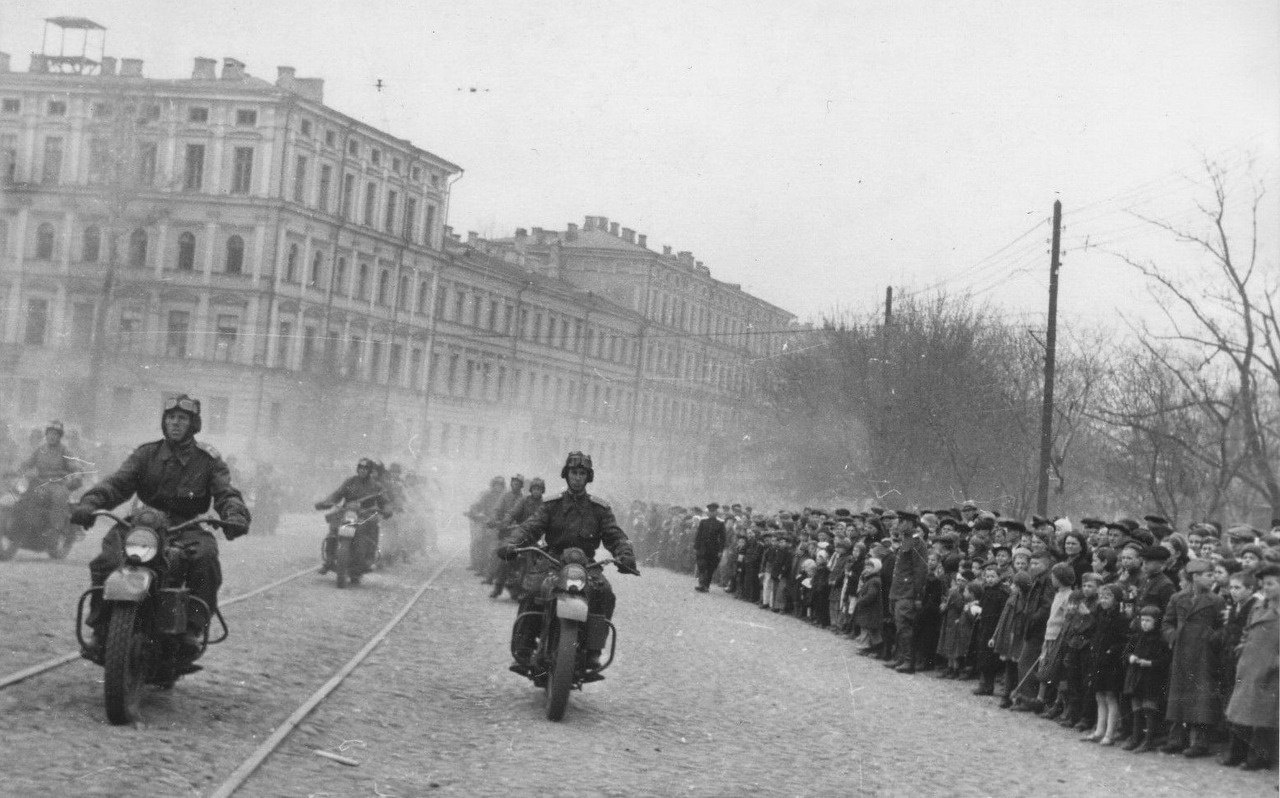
x=578, y=460
x=537, y=482
x=365, y=462
x=56, y=426
x=518, y=479
x=497, y=482
x=187, y=405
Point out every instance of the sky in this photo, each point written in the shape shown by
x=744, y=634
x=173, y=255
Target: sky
x=813, y=152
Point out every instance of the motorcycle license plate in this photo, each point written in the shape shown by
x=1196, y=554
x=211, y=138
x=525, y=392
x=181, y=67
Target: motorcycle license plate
x=573, y=609
x=347, y=531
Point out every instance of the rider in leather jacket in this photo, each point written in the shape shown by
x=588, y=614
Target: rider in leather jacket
x=574, y=519
x=364, y=487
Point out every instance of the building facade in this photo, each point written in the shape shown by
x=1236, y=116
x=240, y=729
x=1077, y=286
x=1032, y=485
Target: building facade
x=239, y=240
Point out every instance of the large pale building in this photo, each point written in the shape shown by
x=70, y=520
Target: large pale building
x=237, y=239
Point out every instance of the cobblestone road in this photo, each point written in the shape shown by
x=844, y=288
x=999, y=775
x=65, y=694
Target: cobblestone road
x=709, y=697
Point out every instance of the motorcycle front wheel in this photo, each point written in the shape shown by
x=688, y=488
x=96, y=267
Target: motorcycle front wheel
x=560, y=677
x=342, y=561
x=61, y=546
x=125, y=665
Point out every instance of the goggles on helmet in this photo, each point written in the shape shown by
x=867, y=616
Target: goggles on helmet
x=183, y=403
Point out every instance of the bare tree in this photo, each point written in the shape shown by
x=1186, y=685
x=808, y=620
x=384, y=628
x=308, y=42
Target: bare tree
x=1222, y=343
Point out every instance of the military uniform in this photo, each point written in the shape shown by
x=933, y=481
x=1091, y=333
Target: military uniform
x=54, y=468
x=181, y=480
x=572, y=521
x=370, y=493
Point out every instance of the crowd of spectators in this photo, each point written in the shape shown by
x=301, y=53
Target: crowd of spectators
x=1130, y=633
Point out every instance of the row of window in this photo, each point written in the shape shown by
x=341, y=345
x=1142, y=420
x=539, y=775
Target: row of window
x=243, y=117
x=381, y=206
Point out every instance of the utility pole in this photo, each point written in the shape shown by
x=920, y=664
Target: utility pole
x=888, y=306
x=1051, y=337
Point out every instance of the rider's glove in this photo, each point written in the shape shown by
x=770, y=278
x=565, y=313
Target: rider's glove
x=627, y=563
x=506, y=551
x=323, y=505
x=82, y=515
x=241, y=527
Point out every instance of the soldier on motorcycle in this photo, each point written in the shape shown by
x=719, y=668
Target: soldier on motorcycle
x=364, y=487
x=511, y=573
x=180, y=477
x=574, y=519
x=52, y=471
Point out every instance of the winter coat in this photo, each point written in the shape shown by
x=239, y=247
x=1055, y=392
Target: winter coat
x=1256, y=699
x=1011, y=617
x=1190, y=624
x=1146, y=683
x=868, y=614
x=1106, y=666
x=950, y=644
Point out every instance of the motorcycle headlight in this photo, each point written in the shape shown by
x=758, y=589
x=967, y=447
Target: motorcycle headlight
x=142, y=543
x=350, y=517
x=575, y=577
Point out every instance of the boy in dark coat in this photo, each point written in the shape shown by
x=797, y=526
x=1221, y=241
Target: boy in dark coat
x=1192, y=623
x=1146, y=678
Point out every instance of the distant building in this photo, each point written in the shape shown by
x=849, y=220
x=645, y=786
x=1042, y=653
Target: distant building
x=289, y=265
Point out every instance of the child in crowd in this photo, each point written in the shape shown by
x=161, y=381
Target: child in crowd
x=1077, y=641
x=1146, y=676
x=1003, y=640
x=948, y=640
x=1106, y=672
x=1192, y=621
x=868, y=613
x=1254, y=710
x=994, y=596
x=1063, y=578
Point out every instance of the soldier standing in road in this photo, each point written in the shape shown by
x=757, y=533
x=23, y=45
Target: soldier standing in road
x=708, y=542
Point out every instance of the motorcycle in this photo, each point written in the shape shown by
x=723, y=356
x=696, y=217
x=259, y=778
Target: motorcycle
x=145, y=602
x=23, y=523
x=566, y=628
x=338, y=547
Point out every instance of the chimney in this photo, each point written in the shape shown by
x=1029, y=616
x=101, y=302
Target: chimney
x=628, y=235
x=205, y=69
x=232, y=69
x=666, y=249
x=572, y=233
x=602, y=224
x=285, y=76
x=4, y=62
x=643, y=240
x=473, y=237
x=108, y=68
x=521, y=232
x=39, y=64
x=537, y=234
x=130, y=67
x=613, y=229
x=311, y=88
x=685, y=257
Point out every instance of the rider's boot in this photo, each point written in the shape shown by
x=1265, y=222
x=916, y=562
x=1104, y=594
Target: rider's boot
x=591, y=665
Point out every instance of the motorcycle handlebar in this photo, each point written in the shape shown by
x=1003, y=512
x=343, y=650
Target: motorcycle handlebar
x=194, y=522
x=599, y=564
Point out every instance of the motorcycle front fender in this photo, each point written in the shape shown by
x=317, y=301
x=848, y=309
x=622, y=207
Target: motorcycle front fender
x=571, y=608
x=129, y=583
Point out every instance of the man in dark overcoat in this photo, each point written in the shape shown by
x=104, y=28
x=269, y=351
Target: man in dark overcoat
x=708, y=542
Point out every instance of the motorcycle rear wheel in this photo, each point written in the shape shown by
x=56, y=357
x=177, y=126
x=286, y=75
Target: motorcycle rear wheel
x=560, y=677
x=125, y=666
x=342, y=561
